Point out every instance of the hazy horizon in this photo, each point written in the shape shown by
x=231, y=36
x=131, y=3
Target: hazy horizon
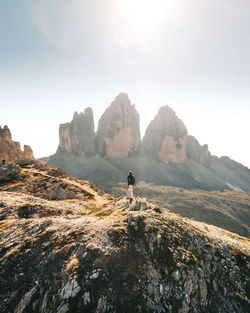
x=61, y=57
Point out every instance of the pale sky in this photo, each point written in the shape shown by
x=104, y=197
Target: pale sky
x=61, y=56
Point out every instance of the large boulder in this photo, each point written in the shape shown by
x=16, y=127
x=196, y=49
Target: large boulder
x=78, y=136
x=165, y=138
x=10, y=150
x=118, y=133
x=9, y=173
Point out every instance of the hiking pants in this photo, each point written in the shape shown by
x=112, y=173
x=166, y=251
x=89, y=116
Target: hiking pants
x=130, y=191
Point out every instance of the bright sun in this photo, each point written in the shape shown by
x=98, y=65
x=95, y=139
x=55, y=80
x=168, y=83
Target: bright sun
x=135, y=23
x=144, y=12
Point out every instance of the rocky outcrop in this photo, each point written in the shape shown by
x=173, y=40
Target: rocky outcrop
x=27, y=152
x=107, y=256
x=165, y=138
x=10, y=150
x=9, y=173
x=167, y=155
x=198, y=153
x=78, y=136
x=118, y=133
x=41, y=181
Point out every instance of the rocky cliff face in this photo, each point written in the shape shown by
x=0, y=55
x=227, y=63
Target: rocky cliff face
x=166, y=138
x=118, y=133
x=10, y=150
x=78, y=136
x=198, y=153
x=178, y=159
x=95, y=253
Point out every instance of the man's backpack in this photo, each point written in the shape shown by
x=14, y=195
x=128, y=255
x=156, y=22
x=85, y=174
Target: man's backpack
x=131, y=180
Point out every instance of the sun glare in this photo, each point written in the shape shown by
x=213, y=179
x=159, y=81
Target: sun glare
x=135, y=21
x=144, y=12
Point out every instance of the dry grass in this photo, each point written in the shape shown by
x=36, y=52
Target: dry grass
x=73, y=263
x=5, y=224
x=229, y=209
x=91, y=218
x=13, y=251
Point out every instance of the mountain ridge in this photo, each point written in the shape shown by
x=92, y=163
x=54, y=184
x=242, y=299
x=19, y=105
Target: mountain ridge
x=166, y=155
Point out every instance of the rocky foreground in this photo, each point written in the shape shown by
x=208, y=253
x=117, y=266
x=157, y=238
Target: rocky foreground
x=68, y=247
x=225, y=209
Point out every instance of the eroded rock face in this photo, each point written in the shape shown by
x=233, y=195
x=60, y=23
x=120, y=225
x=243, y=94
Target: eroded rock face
x=10, y=150
x=173, y=151
x=198, y=153
x=27, y=152
x=165, y=138
x=78, y=136
x=118, y=133
x=9, y=173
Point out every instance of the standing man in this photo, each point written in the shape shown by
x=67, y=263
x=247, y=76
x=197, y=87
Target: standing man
x=131, y=185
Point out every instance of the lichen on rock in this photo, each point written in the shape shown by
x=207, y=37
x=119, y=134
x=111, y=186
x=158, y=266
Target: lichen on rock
x=102, y=255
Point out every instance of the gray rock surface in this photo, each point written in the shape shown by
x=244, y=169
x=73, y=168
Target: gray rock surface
x=78, y=136
x=198, y=153
x=26, y=300
x=165, y=138
x=70, y=290
x=167, y=155
x=9, y=173
x=118, y=133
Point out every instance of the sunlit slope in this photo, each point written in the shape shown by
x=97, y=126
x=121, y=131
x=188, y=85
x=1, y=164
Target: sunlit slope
x=76, y=249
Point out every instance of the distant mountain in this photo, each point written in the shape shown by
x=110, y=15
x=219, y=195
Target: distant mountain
x=166, y=155
x=10, y=151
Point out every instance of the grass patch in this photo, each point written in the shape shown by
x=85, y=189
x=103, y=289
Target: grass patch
x=5, y=224
x=191, y=258
x=242, y=239
x=11, y=252
x=100, y=211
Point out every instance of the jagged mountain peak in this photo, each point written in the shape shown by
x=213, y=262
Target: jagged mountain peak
x=166, y=155
x=78, y=136
x=5, y=133
x=10, y=150
x=118, y=132
x=167, y=119
x=165, y=138
x=122, y=97
x=88, y=113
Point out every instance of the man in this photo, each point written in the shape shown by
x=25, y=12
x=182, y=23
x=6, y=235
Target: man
x=131, y=185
